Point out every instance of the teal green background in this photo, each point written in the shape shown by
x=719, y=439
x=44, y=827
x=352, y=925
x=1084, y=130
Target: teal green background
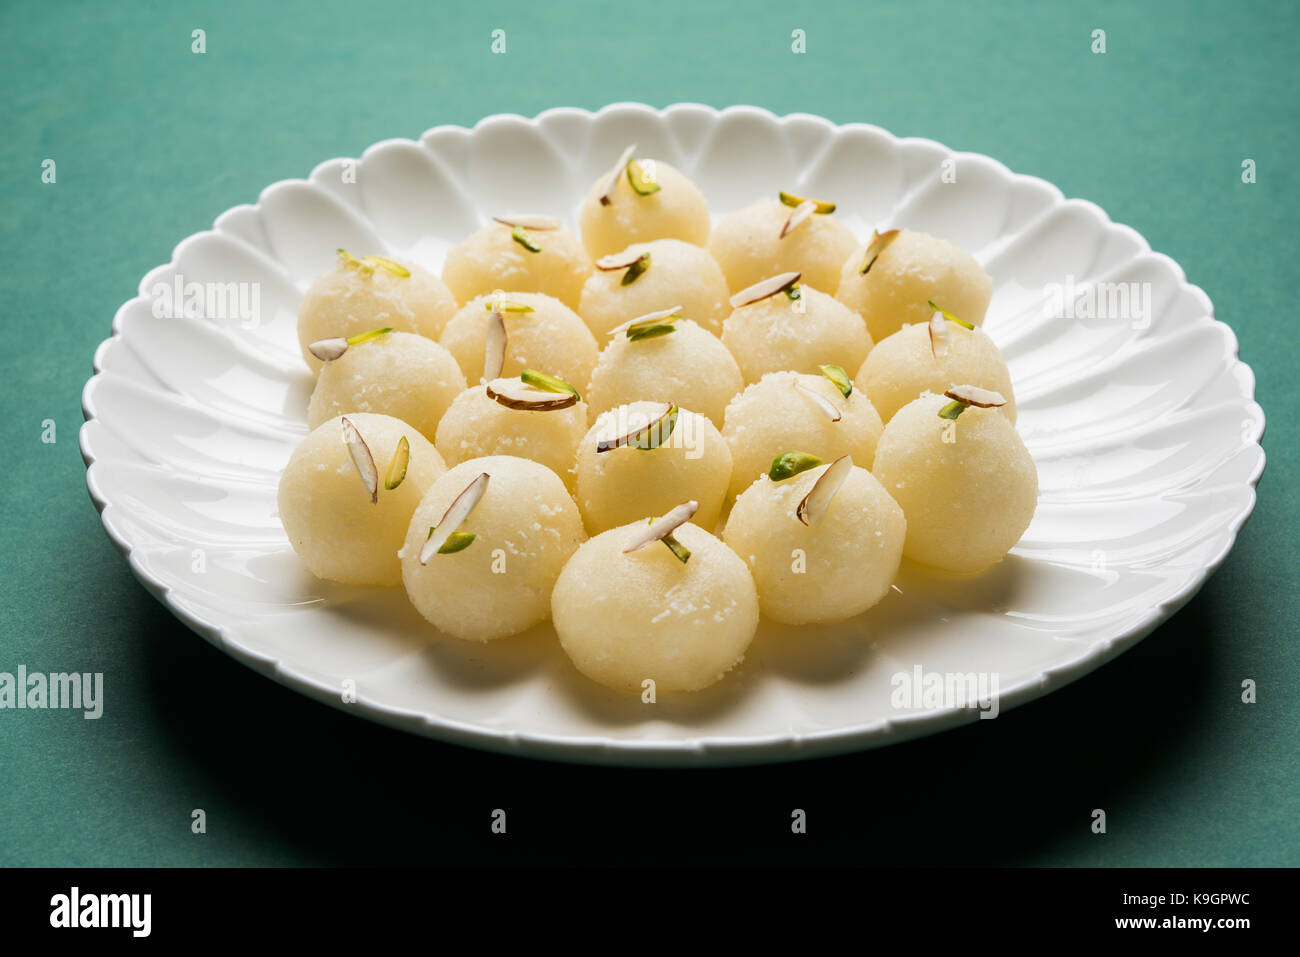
x=153, y=142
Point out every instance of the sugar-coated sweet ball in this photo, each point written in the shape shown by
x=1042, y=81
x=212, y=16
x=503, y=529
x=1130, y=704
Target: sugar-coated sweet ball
x=357, y=296
x=326, y=507
x=677, y=210
x=912, y=270
x=905, y=364
x=689, y=366
x=525, y=527
x=400, y=374
x=493, y=258
x=549, y=338
x=967, y=486
x=833, y=569
x=748, y=245
x=779, y=333
x=627, y=618
x=678, y=274
x=774, y=415
x=628, y=484
x=477, y=426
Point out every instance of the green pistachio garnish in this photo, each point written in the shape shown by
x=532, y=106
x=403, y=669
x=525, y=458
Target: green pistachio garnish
x=650, y=332
x=642, y=184
x=367, y=264
x=456, y=542
x=948, y=315
x=547, y=383
x=397, y=467
x=655, y=433
x=953, y=409
x=680, y=551
x=525, y=239
x=839, y=377
x=789, y=464
x=793, y=292
x=819, y=205
x=879, y=242
x=506, y=305
x=361, y=337
x=634, y=271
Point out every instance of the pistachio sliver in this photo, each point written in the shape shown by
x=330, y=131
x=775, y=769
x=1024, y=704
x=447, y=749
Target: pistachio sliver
x=649, y=319
x=841, y=378
x=607, y=194
x=819, y=205
x=394, y=267
x=397, y=466
x=823, y=404
x=879, y=243
x=649, y=332
x=456, y=514
x=948, y=315
x=456, y=542
x=640, y=180
x=635, y=270
x=525, y=239
x=649, y=436
x=793, y=293
x=953, y=409
x=938, y=335
x=680, y=551
x=797, y=217
x=494, y=346
x=535, y=223
x=663, y=527
x=506, y=305
x=814, y=505
x=789, y=464
x=516, y=394
x=763, y=289
x=362, y=458
x=547, y=383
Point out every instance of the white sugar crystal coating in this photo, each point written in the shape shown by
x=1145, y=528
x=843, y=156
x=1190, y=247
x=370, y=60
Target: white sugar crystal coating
x=825, y=572
x=327, y=513
x=477, y=426
x=677, y=211
x=748, y=246
x=679, y=275
x=491, y=259
x=630, y=484
x=623, y=619
x=526, y=526
x=550, y=339
x=771, y=417
x=903, y=365
x=778, y=334
x=346, y=301
x=690, y=366
x=967, y=500
x=400, y=374
x=911, y=270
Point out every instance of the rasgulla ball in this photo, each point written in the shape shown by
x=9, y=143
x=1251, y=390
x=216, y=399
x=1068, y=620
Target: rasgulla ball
x=967, y=486
x=904, y=365
x=477, y=425
x=625, y=618
x=357, y=296
x=689, y=366
x=748, y=245
x=779, y=333
x=326, y=505
x=777, y=414
x=548, y=337
x=628, y=483
x=678, y=274
x=907, y=273
x=676, y=210
x=493, y=258
x=525, y=527
x=834, y=568
x=400, y=374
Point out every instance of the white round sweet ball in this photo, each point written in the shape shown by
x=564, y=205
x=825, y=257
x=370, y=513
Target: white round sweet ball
x=911, y=271
x=679, y=275
x=677, y=210
x=829, y=571
x=349, y=300
x=551, y=338
x=623, y=619
x=525, y=528
x=327, y=513
x=772, y=416
x=492, y=259
x=904, y=365
x=400, y=374
x=749, y=247
x=967, y=486
x=630, y=484
x=477, y=426
x=690, y=366
x=779, y=333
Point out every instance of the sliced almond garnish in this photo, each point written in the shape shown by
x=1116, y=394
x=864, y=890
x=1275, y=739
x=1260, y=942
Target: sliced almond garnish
x=819, y=400
x=397, y=465
x=327, y=350
x=525, y=221
x=661, y=529
x=879, y=243
x=814, y=505
x=618, y=260
x=938, y=335
x=649, y=319
x=797, y=216
x=607, y=194
x=494, y=346
x=764, y=288
x=456, y=513
x=361, y=458
x=649, y=436
x=516, y=394
x=974, y=395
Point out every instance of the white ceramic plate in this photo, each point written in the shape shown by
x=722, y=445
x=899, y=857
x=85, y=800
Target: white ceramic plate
x=1144, y=429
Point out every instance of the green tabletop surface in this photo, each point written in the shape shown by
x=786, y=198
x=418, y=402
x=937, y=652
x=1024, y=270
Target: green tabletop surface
x=153, y=141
